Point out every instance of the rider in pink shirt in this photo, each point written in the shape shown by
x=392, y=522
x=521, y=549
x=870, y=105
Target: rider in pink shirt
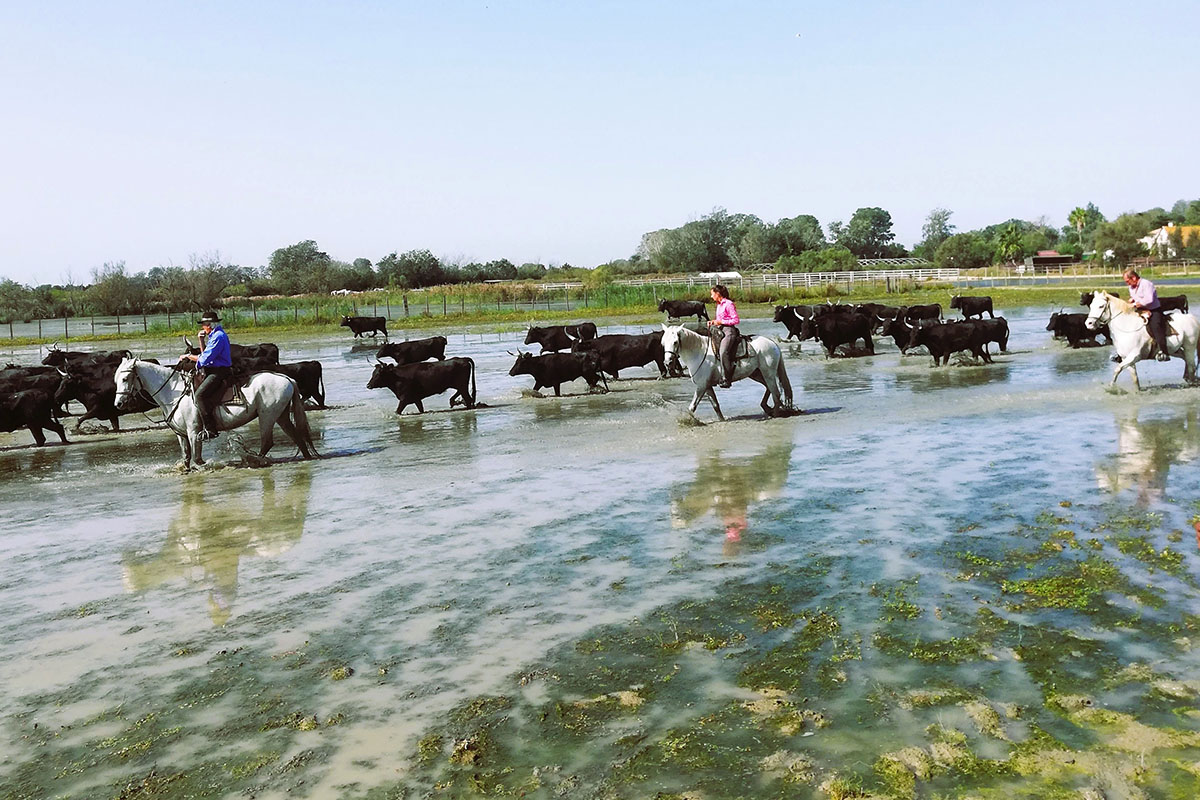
x=1144, y=297
x=725, y=321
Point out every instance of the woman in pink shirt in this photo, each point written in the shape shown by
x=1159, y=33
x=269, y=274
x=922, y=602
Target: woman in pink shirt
x=725, y=321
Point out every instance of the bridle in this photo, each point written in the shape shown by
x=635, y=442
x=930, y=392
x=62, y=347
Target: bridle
x=134, y=375
x=1106, y=316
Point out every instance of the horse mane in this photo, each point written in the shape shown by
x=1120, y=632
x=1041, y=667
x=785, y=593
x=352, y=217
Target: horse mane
x=1122, y=305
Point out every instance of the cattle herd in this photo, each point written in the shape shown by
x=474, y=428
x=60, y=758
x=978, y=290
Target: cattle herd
x=36, y=397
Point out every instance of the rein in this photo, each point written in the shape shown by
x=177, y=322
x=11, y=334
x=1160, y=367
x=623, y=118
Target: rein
x=153, y=395
x=1112, y=318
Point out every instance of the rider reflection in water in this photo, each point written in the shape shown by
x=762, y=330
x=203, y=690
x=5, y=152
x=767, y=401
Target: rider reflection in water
x=725, y=323
x=216, y=362
x=1144, y=297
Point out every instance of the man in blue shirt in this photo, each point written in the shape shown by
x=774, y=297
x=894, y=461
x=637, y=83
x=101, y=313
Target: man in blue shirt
x=216, y=363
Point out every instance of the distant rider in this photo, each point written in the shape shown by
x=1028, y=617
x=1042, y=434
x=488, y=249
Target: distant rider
x=725, y=322
x=216, y=363
x=1144, y=297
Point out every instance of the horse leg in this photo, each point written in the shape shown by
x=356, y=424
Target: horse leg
x=266, y=437
x=712, y=396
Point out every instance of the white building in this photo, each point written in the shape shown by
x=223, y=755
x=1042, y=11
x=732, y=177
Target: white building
x=1158, y=241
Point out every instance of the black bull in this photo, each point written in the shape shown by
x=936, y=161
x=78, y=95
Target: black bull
x=555, y=369
x=553, y=338
x=413, y=351
x=942, y=339
x=32, y=409
x=973, y=306
x=618, y=351
x=1177, y=302
x=361, y=325
x=412, y=383
x=834, y=330
x=678, y=309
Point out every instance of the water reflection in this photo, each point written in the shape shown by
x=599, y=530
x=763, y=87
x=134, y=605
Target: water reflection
x=957, y=375
x=729, y=487
x=1145, y=451
x=215, y=528
x=33, y=459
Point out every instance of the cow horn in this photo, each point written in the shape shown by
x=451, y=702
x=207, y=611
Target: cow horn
x=62, y=372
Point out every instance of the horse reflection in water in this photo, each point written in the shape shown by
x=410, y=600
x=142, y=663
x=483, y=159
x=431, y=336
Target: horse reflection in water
x=1145, y=452
x=729, y=487
x=207, y=538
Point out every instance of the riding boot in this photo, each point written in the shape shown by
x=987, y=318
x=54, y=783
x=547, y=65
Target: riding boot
x=209, y=430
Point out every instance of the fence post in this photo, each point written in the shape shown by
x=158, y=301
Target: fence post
x=567, y=296
x=254, y=312
x=118, y=324
x=93, y=324
x=66, y=330
x=443, y=304
x=39, y=327
x=585, y=302
x=295, y=312
x=10, y=330
x=388, y=305
x=145, y=325
x=405, y=305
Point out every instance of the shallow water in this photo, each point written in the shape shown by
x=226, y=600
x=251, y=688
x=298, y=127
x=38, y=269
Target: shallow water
x=180, y=631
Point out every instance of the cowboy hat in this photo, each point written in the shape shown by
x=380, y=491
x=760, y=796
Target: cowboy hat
x=209, y=316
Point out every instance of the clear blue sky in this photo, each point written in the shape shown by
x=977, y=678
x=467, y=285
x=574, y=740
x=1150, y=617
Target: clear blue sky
x=561, y=132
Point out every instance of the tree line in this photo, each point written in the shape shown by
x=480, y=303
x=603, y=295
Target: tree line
x=717, y=242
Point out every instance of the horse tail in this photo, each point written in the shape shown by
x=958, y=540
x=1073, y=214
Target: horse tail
x=300, y=419
x=473, y=393
x=781, y=371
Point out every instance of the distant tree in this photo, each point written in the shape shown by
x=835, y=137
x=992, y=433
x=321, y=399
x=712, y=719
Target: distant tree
x=599, y=277
x=701, y=245
x=937, y=229
x=831, y=259
x=1009, y=244
x=1078, y=218
x=411, y=270
x=15, y=301
x=500, y=270
x=964, y=251
x=113, y=291
x=868, y=234
x=1120, y=237
x=531, y=271
x=1192, y=217
x=302, y=267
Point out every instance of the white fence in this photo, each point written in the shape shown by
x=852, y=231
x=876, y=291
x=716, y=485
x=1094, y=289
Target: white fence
x=790, y=280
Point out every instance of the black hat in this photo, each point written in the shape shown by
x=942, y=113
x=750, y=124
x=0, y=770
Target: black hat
x=209, y=316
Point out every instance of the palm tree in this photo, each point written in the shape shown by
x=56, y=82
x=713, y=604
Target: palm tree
x=1078, y=218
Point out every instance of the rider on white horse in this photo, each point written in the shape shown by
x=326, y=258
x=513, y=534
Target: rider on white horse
x=217, y=364
x=725, y=322
x=1144, y=297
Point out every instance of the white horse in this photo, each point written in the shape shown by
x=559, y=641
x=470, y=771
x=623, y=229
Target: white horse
x=764, y=364
x=268, y=396
x=1133, y=341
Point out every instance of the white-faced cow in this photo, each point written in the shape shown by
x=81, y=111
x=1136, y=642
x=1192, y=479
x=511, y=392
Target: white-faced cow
x=363, y=325
x=412, y=383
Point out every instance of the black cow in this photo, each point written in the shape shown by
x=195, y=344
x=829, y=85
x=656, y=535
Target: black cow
x=838, y=329
x=931, y=311
x=308, y=376
x=830, y=307
x=1178, y=302
x=412, y=383
x=32, y=409
x=678, y=309
x=361, y=325
x=63, y=358
x=553, y=338
x=994, y=330
x=242, y=355
x=96, y=388
x=414, y=351
x=899, y=329
x=972, y=306
x=555, y=369
x=792, y=317
x=878, y=313
x=942, y=339
x=618, y=351
x=41, y=379
x=1071, y=327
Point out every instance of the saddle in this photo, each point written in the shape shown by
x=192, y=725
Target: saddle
x=741, y=348
x=231, y=394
